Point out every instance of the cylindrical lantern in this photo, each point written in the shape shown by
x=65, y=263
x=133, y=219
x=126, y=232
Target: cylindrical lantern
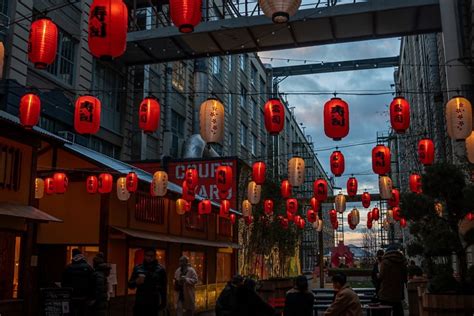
x=320, y=190
x=159, y=184
x=30, y=109
x=375, y=214
x=459, y=118
x=301, y=223
x=185, y=14
x=314, y=204
x=204, y=207
x=355, y=217
x=122, y=193
x=296, y=171
x=279, y=10
x=415, y=183
x=340, y=202
x=403, y=222
x=108, y=23
x=333, y=215
x=400, y=114
x=335, y=224
x=49, y=186
x=92, y=184
x=396, y=213
x=211, y=118
x=426, y=151
x=254, y=192
x=369, y=216
x=224, y=208
x=470, y=148
x=132, y=182
x=349, y=221
x=149, y=115
x=60, y=182
x=284, y=223
x=105, y=183
x=232, y=218
x=258, y=172
x=191, y=177
x=385, y=187
x=248, y=220
x=39, y=188
x=181, y=205
x=395, y=199
x=285, y=189
x=296, y=219
x=381, y=163
x=311, y=216
x=337, y=163
x=352, y=186
x=336, y=119
x=43, y=43
x=87, y=115
x=292, y=206
x=274, y=113
x=224, y=180
x=268, y=207
x=369, y=224
x=246, y=208
x=188, y=194
x=290, y=216
x=366, y=199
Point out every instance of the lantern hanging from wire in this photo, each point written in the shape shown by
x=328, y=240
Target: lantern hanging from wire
x=400, y=114
x=352, y=186
x=426, y=151
x=470, y=148
x=122, y=193
x=149, y=113
x=336, y=119
x=366, y=199
x=333, y=215
x=254, y=192
x=61, y=182
x=397, y=215
x=285, y=189
x=204, y=207
x=300, y=223
x=49, y=187
x=403, y=222
x=314, y=204
x=355, y=216
x=268, y=207
x=39, y=188
x=320, y=190
x=92, y=184
x=248, y=220
x=381, y=163
x=311, y=216
x=87, y=115
x=30, y=110
x=181, y=206
x=335, y=224
x=211, y=118
x=279, y=11
x=191, y=177
x=274, y=114
x=337, y=163
x=232, y=218
x=186, y=14
x=43, y=43
x=375, y=214
x=385, y=187
x=258, y=172
x=105, y=183
x=188, y=194
x=224, y=208
x=246, y=208
x=369, y=216
x=284, y=223
x=159, y=184
x=459, y=118
x=292, y=206
x=224, y=180
x=395, y=199
x=340, y=203
x=132, y=182
x=296, y=171
x=349, y=221
x=369, y=224
x=415, y=183
x=290, y=216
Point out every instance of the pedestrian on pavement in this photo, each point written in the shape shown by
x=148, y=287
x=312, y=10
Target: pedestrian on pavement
x=376, y=271
x=346, y=302
x=257, y=306
x=393, y=276
x=299, y=300
x=185, y=279
x=227, y=303
x=149, y=278
x=100, y=303
x=414, y=271
x=78, y=275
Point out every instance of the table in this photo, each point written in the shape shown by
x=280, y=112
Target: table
x=377, y=310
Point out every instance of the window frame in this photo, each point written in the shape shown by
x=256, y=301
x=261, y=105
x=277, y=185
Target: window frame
x=55, y=68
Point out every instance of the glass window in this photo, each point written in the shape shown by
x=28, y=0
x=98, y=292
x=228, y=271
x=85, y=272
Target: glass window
x=253, y=76
x=135, y=257
x=179, y=75
x=243, y=96
x=10, y=245
x=216, y=66
x=230, y=103
x=243, y=61
x=196, y=260
x=254, y=145
x=243, y=135
x=63, y=66
x=224, y=267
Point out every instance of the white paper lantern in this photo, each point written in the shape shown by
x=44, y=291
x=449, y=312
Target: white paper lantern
x=279, y=10
x=355, y=217
x=246, y=208
x=211, y=118
x=385, y=187
x=296, y=171
x=122, y=192
x=470, y=148
x=459, y=118
x=254, y=192
x=159, y=184
x=318, y=225
x=181, y=206
x=39, y=188
x=340, y=202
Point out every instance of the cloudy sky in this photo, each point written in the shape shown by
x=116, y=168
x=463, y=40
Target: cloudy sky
x=368, y=114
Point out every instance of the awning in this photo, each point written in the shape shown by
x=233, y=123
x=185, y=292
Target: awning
x=174, y=239
x=26, y=212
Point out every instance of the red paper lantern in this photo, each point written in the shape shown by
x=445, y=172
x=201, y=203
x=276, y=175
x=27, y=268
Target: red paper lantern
x=470, y=216
x=188, y=193
x=375, y=214
x=87, y=115
x=335, y=224
x=132, y=182
x=284, y=223
x=426, y=151
x=204, y=207
x=185, y=14
x=248, y=220
x=314, y=204
x=149, y=115
x=43, y=43
x=333, y=215
x=292, y=206
x=352, y=186
x=337, y=163
x=369, y=216
x=108, y=22
x=268, y=207
x=224, y=180
x=92, y=183
x=49, y=187
x=366, y=199
x=187, y=206
x=258, y=172
x=395, y=199
x=400, y=115
x=60, y=182
x=232, y=218
x=381, y=163
x=320, y=190
x=290, y=216
x=403, y=222
x=311, y=216
x=191, y=177
x=285, y=189
x=415, y=183
x=105, y=183
x=274, y=113
x=369, y=224
x=30, y=109
x=300, y=223
x=224, y=208
x=396, y=213
x=336, y=118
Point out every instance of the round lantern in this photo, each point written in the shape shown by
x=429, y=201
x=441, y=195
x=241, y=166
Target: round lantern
x=105, y=183
x=274, y=113
x=320, y=190
x=314, y=204
x=395, y=199
x=284, y=223
x=248, y=220
x=296, y=171
x=337, y=163
x=191, y=177
x=246, y=208
x=369, y=224
x=470, y=148
x=336, y=119
x=366, y=199
x=285, y=189
x=188, y=194
x=258, y=172
x=43, y=43
x=232, y=218
x=132, y=182
x=375, y=214
x=279, y=10
x=311, y=216
x=159, y=184
x=396, y=213
x=254, y=192
x=400, y=115
x=49, y=186
x=149, y=115
x=369, y=216
x=30, y=109
x=87, y=115
x=296, y=219
x=181, y=206
x=204, y=207
x=224, y=208
x=268, y=207
x=92, y=184
x=426, y=150
x=290, y=216
x=292, y=206
x=185, y=14
x=403, y=222
x=60, y=182
x=459, y=118
x=469, y=216
x=122, y=193
x=333, y=215
x=335, y=224
x=301, y=223
x=352, y=186
x=340, y=202
x=39, y=188
x=211, y=118
x=381, y=163
x=415, y=183
x=108, y=22
x=224, y=180
x=355, y=216
x=385, y=187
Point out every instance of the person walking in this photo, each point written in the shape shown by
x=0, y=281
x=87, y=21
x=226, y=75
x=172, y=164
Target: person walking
x=299, y=300
x=185, y=279
x=78, y=275
x=346, y=302
x=149, y=279
x=99, y=305
x=376, y=271
x=393, y=276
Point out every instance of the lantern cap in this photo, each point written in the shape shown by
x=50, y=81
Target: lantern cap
x=186, y=28
x=151, y=96
x=280, y=17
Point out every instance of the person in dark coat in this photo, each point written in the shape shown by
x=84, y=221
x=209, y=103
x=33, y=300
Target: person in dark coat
x=149, y=278
x=414, y=271
x=100, y=303
x=227, y=303
x=257, y=306
x=376, y=271
x=79, y=276
x=299, y=300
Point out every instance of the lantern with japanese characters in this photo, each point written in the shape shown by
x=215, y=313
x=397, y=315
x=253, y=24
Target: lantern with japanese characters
x=426, y=151
x=385, y=187
x=224, y=208
x=292, y=206
x=246, y=208
x=159, y=184
x=60, y=182
x=459, y=118
x=181, y=206
x=314, y=204
x=254, y=192
x=185, y=14
x=132, y=182
x=274, y=113
x=122, y=193
x=149, y=115
x=268, y=207
x=87, y=115
x=223, y=181
x=395, y=199
x=470, y=148
x=381, y=163
x=92, y=184
x=415, y=183
x=366, y=199
x=352, y=186
x=43, y=43
x=311, y=216
x=337, y=163
x=400, y=114
x=279, y=11
x=39, y=188
x=204, y=207
x=49, y=187
x=340, y=203
x=211, y=119
x=285, y=189
x=30, y=109
x=105, y=183
x=375, y=214
x=258, y=172
x=320, y=190
x=191, y=177
x=188, y=194
x=108, y=22
x=336, y=119
x=296, y=171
